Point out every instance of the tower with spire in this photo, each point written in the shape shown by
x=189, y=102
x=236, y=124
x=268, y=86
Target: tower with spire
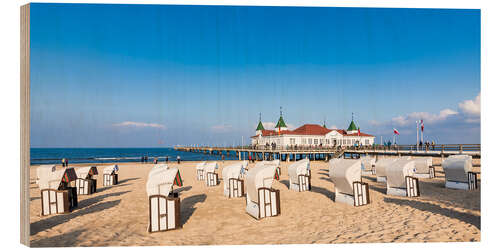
x=281, y=123
x=352, y=129
x=260, y=127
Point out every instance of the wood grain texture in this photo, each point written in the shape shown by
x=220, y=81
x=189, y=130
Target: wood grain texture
x=25, y=122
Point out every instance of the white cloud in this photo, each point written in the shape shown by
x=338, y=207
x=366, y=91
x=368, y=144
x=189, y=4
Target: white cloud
x=471, y=107
x=221, y=128
x=427, y=117
x=139, y=125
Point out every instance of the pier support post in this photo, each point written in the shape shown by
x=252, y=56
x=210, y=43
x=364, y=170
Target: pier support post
x=239, y=155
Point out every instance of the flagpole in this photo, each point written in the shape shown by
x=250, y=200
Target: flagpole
x=417, y=135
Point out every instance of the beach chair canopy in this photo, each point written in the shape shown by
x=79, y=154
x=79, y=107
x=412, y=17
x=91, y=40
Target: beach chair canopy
x=397, y=171
x=456, y=168
x=344, y=173
x=160, y=181
x=41, y=170
x=422, y=164
x=157, y=168
x=86, y=172
x=201, y=165
x=331, y=165
x=259, y=176
x=232, y=171
x=381, y=165
x=53, y=179
x=112, y=169
x=211, y=167
x=298, y=168
x=367, y=163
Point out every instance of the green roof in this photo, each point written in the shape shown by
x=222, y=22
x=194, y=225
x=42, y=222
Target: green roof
x=281, y=123
x=260, y=126
x=352, y=126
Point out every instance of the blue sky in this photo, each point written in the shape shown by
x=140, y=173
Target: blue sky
x=160, y=75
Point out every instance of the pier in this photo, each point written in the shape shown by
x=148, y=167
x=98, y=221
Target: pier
x=327, y=153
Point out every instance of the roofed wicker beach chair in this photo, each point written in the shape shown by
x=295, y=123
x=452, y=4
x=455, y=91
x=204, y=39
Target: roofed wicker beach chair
x=400, y=179
x=110, y=175
x=424, y=167
x=44, y=168
x=300, y=175
x=367, y=165
x=164, y=203
x=200, y=171
x=85, y=184
x=211, y=177
x=261, y=199
x=55, y=191
x=380, y=167
x=349, y=189
x=458, y=172
x=233, y=183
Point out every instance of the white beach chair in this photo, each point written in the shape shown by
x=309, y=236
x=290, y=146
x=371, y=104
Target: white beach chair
x=200, y=171
x=380, y=167
x=85, y=184
x=233, y=184
x=424, y=168
x=109, y=175
x=368, y=165
x=164, y=204
x=300, y=175
x=400, y=179
x=42, y=169
x=458, y=172
x=211, y=177
x=262, y=200
x=349, y=189
x=56, y=194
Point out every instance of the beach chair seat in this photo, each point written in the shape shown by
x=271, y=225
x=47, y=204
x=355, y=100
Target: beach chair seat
x=458, y=173
x=400, y=179
x=233, y=184
x=85, y=184
x=349, y=189
x=110, y=175
x=261, y=199
x=57, y=197
x=163, y=202
x=211, y=177
x=300, y=175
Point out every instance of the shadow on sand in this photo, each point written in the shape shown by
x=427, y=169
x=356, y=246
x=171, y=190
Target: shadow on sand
x=327, y=193
x=425, y=206
x=187, y=206
x=286, y=183
x=60, y=240
x=55, y=220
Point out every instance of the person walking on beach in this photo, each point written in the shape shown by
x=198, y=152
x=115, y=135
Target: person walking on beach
x=222, y=158
x=433, y=145
x=178, y=160
x=166, y=159
x=63, y=161
x=155, y=161
x=66, y=161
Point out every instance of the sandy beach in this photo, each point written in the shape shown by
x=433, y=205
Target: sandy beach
x=118, y=215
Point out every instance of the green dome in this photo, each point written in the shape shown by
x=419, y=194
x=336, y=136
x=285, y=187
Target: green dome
x=260, y=126
x=352, y=126
x=281, y=123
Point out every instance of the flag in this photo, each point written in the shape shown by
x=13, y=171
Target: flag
x=178, y=180
x=396, y=131
x=359, y=132
x=422, y=125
